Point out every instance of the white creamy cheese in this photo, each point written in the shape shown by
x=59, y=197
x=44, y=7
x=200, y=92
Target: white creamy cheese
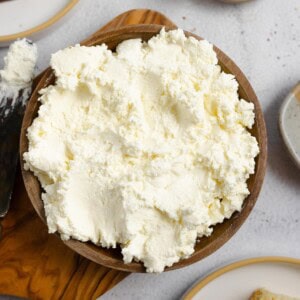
x=19, y=63
x=17, y=75
x=147, y=147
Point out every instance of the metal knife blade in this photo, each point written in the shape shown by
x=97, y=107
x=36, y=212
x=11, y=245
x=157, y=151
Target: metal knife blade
x=10, y=127
x=15, y=89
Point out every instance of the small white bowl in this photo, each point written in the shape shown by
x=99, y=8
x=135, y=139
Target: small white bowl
x=289, y=123
x=233, y=1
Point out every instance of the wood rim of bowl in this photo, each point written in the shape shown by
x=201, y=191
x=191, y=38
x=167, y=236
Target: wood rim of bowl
x=223, y=231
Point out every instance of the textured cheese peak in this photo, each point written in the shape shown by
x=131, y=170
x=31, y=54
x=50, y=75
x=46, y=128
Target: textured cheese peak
x=19, y=64
x=146, y=147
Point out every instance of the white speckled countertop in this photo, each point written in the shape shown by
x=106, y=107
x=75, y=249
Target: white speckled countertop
x=263, y=38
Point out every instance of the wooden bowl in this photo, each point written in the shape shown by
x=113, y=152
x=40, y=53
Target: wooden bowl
x=222, y=232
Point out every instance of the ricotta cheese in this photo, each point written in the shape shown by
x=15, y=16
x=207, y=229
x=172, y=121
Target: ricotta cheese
x=19, y=64
x=16, y=76
x=146, y=147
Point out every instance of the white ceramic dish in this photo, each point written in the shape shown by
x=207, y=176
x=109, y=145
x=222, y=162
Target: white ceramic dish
x=289, y=123
x=238, y=280
x=233, y=1
x=27, y=18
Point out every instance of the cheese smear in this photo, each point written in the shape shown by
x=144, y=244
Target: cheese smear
x=146, y=147
x=16, y=76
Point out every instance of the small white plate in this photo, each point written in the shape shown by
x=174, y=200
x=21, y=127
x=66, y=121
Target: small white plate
x=24, y=18
x=238, y=280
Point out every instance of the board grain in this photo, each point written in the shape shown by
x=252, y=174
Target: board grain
x=38, y=265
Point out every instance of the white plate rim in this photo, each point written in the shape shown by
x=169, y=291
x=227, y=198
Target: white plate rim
x=40, y=27
x=199, y=285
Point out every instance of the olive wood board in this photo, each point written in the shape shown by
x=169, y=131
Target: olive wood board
x=38, y=265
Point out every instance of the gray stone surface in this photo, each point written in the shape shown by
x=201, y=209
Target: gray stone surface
x=263, y=38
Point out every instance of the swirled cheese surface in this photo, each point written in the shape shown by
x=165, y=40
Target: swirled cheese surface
x=146, y=147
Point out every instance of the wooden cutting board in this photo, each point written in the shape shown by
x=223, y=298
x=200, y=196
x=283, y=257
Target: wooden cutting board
x=37, y=265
